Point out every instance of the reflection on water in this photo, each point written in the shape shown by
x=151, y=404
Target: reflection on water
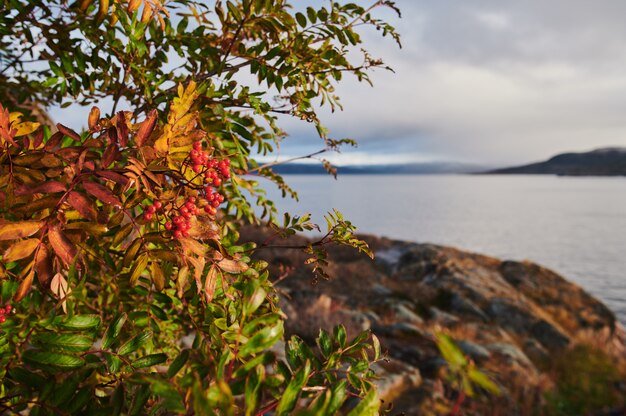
x=576, y=226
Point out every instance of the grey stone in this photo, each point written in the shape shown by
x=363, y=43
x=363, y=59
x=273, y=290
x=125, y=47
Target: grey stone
x=404, y=314
x=475, y=351
x=441, y=317
x=466, y=307
x=511, y=352
x=549, y=336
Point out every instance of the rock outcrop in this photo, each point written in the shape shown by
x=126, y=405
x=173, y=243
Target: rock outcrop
x=511, y=318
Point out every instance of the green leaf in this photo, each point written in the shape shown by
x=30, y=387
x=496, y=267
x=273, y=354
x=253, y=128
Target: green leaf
x=290, y=396
x=339, y=333
x=78, y=322
x=28, y=378
x=376, y=345
x=253, y=389
x=135, y=343
x=149, y=360
x=301, y=19
x=262, y=340
x=325, y=343
x=450, y=352
x=114, y=330
x=339, y=391
x=54, y=360
x=369, y=406
x=178, y=363
x=65, y=342
x=483, y=381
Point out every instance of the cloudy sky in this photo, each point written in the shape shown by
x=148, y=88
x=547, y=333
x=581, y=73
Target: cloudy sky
x=491, y=82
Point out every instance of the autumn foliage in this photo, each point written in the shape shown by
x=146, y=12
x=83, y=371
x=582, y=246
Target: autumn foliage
x=123, y=285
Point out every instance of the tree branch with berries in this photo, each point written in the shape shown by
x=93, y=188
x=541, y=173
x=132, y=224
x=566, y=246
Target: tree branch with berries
x=124, y=286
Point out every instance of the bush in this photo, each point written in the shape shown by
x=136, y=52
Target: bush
x=124, y=285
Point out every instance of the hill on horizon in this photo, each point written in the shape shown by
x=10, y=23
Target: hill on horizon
x=610, y=161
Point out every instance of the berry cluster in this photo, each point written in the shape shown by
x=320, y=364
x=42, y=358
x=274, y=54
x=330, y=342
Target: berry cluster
x=214, y=170
x=4, y=312
x=178, y=218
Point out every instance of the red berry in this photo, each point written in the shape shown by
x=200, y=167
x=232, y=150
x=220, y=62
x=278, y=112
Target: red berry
x=2, y=319
x=177, y=219
x=178, y=234
x=8, y=308
x=157, y=204
x=168, y=225
x=185, y=233
x=216, y=203
x=148, y=216
x=196, y=168
x=151, y=209
x=197, y=146
x=217, y=181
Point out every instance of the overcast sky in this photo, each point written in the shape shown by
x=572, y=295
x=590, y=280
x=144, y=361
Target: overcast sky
x=493, y=82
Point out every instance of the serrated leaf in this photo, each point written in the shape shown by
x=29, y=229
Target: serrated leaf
x=20, y=229
x=146, y=128
x=66, y=342
x=149, y=360
x=102, y=193
x=55, y=360
x=114, y=330
x=82, y=204
x=135, y=343
x=24, y=286
x=20, y=249
x=232, y=266
x=62, y=245
x=80, y=322
x=138, y=268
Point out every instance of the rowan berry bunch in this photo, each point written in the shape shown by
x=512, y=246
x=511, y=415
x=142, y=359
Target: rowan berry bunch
x=214, y=170
x=4, y=311
x=178, y=214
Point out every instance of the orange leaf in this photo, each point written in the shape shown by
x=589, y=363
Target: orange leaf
x=21, y=229
x=94, y=117
x=62, y=246
x=68, y=132
x=21, y=249
x=209, y=284
x=146, y=128
x=232, y=266
x=24, y=286
x=102, y=193
x=43, y=265
x=82, y=204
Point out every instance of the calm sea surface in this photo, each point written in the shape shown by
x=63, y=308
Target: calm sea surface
x=575, y=226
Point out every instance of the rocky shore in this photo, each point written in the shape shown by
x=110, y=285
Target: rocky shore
x=532, y=331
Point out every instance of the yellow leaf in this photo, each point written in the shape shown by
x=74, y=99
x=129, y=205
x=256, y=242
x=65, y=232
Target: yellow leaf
x=182, y=104
x=21, y=229
x=25, y=128
x=232, y=266
x=14, y=116
x=21, y=249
